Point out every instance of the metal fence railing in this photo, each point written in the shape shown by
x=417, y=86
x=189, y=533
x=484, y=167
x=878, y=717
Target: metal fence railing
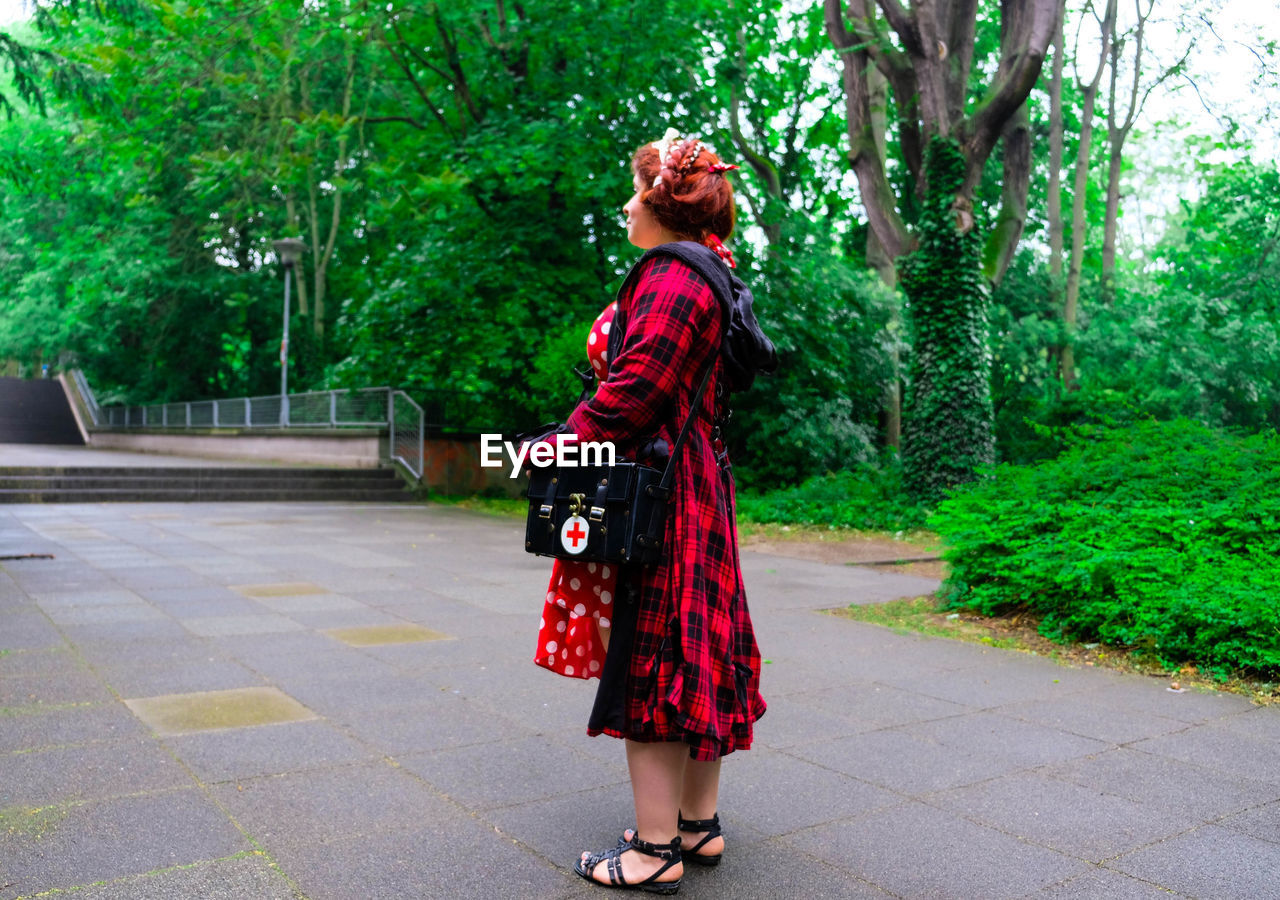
x=380, y=407
x=315, y=409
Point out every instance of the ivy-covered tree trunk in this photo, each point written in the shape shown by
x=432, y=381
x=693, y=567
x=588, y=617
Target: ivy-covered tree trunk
x=949, y=417
x=927, y=53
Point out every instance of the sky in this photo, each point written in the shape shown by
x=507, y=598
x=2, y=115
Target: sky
x=1220, y=86
x=11, y=10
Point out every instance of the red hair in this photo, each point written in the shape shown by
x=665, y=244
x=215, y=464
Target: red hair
x=690, y=201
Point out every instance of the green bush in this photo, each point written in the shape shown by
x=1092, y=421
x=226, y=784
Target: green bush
x=827, y=315
x=1163, y=537
x=868, y=497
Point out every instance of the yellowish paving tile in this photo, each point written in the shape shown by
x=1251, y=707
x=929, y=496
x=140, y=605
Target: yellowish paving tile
x=294, y=589
x=174, y=714
x=374, y=635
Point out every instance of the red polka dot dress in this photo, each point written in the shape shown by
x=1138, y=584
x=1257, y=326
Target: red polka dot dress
x=580, y=596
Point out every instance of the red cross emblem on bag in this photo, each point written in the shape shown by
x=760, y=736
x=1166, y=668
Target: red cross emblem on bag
x=573, y=534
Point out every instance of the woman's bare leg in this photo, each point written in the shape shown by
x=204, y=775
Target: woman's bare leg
x=700, y=799
x=657, y=777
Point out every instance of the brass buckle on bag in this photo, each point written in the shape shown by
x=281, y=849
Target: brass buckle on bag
x=575, y=504
x=597, y=514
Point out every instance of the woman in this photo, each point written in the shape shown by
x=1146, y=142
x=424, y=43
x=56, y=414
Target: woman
x=680, y=679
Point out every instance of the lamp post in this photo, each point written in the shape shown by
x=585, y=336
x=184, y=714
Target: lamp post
x=289, y=251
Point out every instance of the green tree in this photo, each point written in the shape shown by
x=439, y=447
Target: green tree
x=929, y=64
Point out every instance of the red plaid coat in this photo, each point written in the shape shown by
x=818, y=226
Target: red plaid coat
x=694, y=673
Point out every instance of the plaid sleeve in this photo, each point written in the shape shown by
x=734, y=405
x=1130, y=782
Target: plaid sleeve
x=664, y=317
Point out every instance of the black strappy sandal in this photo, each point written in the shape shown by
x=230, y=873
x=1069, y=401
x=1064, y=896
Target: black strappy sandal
x=669, y=852
x=712, y=827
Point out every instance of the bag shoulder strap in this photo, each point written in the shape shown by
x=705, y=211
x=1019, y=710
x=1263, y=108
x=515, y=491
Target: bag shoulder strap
x=688, y=253
x=668, y=474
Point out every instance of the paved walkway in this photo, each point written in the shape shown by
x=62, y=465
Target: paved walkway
x=888, y=765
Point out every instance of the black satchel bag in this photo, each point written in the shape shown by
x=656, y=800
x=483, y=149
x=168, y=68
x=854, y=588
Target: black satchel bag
x=601, y=513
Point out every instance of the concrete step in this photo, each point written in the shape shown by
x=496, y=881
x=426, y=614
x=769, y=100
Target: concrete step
x=270, y=473
x=213, y=495
x=103, y=484
x=126, y=481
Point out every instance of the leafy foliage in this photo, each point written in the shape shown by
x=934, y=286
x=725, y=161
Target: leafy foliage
x=867, y=496
x=1193, y=332
x=1201, y=337
x=1164, y=536
x=813, y=415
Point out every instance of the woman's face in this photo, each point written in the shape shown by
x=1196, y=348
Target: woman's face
x=643, y=229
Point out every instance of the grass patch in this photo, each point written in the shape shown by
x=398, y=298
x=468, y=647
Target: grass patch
x=1020, y=632
x=920, y=615
x=507, y=507
x=916, y=539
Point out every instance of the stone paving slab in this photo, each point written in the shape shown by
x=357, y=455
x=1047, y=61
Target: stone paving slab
x=241, y=753
x=1103, y=883
x=916, y=850
x=43, y=728
x=92, y=771
x=1261, y=822
x=443, y=856
x=888, y=765
x=1209, y=861
x=70, y=845
x=1168, y=786
x=235, y=878
x=1081, y=821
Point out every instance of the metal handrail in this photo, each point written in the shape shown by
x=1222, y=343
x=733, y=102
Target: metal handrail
x=342, y=408
x=407, y=440
x=86, y=395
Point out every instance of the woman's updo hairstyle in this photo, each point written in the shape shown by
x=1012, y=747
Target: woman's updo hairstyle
x=689, y=194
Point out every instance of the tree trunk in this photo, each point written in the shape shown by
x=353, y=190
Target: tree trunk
x=1118, y=132
x=1108, y=291
x=1056, y=141
x=335, y=214
x=767, y=213
x=886, y=268
x=1115, y=144
x=949, y=428
x=1079, y=226
x=1006, y=234
x=948, y=434
x=873, y=183
x=1054, y=190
